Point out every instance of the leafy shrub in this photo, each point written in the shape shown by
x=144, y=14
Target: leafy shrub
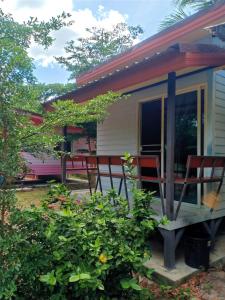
x=82, y=250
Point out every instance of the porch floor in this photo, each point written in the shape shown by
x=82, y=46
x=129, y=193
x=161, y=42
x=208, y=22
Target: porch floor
x=182, y=271
x=188, y=215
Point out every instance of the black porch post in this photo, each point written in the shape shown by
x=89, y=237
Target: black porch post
x=63, y=161
x=169, y=235
x=170, y=141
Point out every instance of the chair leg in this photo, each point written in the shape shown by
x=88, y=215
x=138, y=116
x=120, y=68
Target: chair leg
x=100, y=184
x=162, y=198
x=180, y=200
x=120, y=186
x=217, y=194
x=89, y=182
x=96, y=186
x=126, y=190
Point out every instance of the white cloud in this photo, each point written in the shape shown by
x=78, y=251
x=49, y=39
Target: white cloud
x=45, y=9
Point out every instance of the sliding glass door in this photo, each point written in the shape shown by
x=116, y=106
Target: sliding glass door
x=186, y=139
x=189, y=133
x=151, y=128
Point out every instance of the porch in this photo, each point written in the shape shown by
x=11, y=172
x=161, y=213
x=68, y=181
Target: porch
x=113, y=169
x=185, y=70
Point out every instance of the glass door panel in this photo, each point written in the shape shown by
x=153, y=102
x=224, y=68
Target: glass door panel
x=151, y=136
x=187, y=133
x=186, y=136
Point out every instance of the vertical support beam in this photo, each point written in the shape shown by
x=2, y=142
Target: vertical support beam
x=170, y=140
x=63, y=161
x=169, y=248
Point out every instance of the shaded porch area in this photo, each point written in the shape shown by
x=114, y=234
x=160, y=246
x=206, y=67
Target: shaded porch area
x=176, y=62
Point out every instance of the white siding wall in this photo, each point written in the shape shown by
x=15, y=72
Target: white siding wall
x=219, y=119
x=120, y=131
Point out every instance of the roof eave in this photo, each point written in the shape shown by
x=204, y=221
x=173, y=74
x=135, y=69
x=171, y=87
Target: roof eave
x=160, y=40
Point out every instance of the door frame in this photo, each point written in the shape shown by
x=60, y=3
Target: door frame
x=162, y=97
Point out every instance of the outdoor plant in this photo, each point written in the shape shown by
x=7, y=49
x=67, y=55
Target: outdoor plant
x=57, y=193
x=85, y=250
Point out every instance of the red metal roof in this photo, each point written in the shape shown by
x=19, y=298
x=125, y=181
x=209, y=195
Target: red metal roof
x=37, y=119
x=176, y=58
x=157, y=42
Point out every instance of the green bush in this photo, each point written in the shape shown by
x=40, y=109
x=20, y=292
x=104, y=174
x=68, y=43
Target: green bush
x=82, y=250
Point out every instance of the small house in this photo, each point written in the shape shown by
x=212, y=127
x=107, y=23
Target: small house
x=176, y=108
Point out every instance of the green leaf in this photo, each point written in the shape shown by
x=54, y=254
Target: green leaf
x=81, y=276
x=63, y=238
x=49, y=278
x=101, y=287
x=58, y=254
x=85, y=276
x=74, y=278
x=134, y=285
x=66, y=213
x=125, y=283
x=149, y=273
x=48, y=233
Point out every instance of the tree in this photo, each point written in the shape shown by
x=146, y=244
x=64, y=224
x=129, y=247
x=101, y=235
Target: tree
x=17, y=132
x=43, y=92
x=183, y=9
x=100, y=45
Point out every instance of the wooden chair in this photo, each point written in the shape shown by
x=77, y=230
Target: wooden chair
x=79, y=163
x=200, y=163
x=151, y=162
x=108, y=162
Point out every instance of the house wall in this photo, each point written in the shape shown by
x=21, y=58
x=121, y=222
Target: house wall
x=219, y=120
x=120, y=131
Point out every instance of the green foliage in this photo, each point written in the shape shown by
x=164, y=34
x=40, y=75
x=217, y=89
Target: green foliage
x=45, y=92
x=184, y=9
x=22, y=34
x=17, y=131
x=57, y=193
x=196, y=4
x=16, y=77
x=86, y=249
x=100, y=45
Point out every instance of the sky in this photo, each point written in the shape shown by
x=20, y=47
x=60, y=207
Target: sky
x=84, y=13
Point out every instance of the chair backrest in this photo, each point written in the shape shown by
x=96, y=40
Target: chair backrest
x=206, y=162
x=148, y=161
x=91, y=160
x=112, y=160
x=75, y=158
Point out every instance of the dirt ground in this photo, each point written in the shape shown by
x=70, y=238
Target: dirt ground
x=208, y=285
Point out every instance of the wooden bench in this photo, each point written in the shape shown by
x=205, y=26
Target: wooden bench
x=93, y=165
x=108, y=162
x=150, y=162
x=104, y=166
x=215, y=166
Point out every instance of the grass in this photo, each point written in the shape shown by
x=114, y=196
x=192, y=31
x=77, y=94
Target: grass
x=27, y=198
x=30, y=197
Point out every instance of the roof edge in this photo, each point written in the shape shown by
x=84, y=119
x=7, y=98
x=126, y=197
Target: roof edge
x=158, y=40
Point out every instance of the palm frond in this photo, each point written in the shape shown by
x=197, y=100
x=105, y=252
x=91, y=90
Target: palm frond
x=195, y=4
x=203, y=4
x=177, y=16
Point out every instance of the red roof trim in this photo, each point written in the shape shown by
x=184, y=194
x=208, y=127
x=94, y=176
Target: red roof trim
x=169, y=61
x=153, y=44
